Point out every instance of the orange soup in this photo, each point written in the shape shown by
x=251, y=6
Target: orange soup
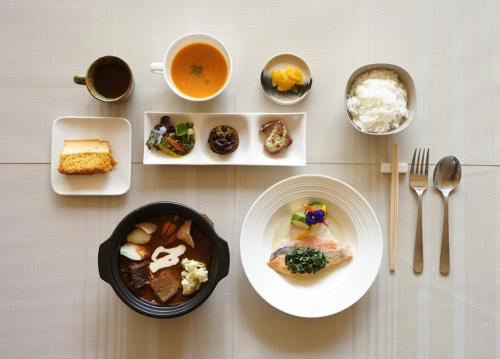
x=199, y=70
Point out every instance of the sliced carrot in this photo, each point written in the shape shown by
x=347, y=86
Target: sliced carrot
x=166, y=227
x=175, y=144
x=171, y=229
x=172, y=237
x=308, y=208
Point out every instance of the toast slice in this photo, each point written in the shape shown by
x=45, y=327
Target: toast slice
x=86, y=157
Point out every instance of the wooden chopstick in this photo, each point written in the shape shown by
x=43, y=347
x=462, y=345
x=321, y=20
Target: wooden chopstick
x=394, y=206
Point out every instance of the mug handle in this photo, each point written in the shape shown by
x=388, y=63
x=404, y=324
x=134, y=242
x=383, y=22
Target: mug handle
x=80, y=80
x=156, y=68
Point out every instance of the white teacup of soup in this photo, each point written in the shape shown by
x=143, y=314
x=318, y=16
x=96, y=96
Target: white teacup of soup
x=196, y=67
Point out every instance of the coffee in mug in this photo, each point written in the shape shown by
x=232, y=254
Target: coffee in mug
x=108, y=79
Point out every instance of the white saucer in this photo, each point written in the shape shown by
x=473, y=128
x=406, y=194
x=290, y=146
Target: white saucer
x=282, y=61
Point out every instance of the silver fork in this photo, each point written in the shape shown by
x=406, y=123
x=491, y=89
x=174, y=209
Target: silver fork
x=418, y=182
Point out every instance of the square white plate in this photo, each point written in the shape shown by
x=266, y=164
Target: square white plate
x=117, y=131
x=250, y=151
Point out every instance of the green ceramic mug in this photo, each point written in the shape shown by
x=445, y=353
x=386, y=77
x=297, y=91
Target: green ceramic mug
x=108, y=79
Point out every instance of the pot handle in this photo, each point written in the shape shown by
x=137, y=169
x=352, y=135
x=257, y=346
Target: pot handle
x=206, y=218
x=103, y=260
x=223, y=249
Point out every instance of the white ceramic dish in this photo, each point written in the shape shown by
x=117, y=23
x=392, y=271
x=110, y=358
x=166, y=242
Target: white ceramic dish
x=113, y=129
x=282, y=61
x=183, y=41
x=250, y=151
x=353, y=222
x=405, y=79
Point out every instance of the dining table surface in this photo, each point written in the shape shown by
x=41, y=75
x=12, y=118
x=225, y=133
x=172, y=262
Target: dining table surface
x=53, y=302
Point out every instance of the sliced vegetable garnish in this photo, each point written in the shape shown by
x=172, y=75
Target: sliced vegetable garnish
x=175, y=144
x=299, y=220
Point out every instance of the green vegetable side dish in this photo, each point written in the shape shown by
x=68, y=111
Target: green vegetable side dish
x=305, y=260
x=175, y=141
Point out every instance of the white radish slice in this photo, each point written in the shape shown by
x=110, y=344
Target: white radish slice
x=133, y=251
x=138, y=236
x=147, y=227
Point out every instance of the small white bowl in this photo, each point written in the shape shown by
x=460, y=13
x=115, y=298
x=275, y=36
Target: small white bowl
x=407, y=82
x=277, y=62
x=175, y=47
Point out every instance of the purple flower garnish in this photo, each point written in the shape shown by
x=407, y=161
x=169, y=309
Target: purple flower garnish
x=316, y=216
x=159, y=134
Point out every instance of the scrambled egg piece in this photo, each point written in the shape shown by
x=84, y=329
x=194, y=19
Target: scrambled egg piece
x=287, y=79
x=194, y=274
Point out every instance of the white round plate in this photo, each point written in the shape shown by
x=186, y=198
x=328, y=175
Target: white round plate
x=321, y=294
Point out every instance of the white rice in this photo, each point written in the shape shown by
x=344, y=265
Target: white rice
x=377, y=101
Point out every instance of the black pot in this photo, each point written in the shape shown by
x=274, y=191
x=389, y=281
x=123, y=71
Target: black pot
x=109, y=252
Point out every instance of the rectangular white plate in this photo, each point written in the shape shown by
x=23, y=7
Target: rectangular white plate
x=250, y=151
x=113, y=129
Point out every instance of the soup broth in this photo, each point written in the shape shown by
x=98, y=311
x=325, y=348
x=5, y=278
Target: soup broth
x=199, y=70
x=168, y=239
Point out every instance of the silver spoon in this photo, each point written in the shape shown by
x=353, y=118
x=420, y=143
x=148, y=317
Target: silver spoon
x=447, y=175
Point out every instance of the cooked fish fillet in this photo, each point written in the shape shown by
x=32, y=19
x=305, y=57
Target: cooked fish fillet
x=334, y=256
x=86, y=157
x=323, y=244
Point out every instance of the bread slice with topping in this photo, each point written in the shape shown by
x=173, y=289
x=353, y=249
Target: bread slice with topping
x=86, y=157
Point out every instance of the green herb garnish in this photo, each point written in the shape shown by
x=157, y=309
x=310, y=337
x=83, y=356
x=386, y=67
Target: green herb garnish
x=181, y=129
x=151, y=142
x=196, y=70
x=305, y=260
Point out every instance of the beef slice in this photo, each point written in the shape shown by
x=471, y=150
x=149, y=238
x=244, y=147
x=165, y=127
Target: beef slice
x=165, y=284
x=139, y=274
